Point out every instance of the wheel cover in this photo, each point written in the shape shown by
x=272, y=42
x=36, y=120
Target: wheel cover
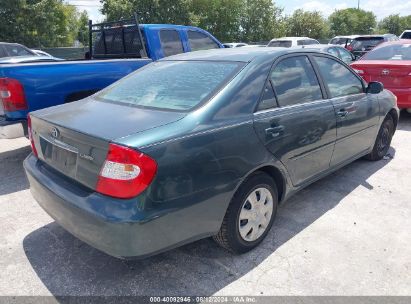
x=255, y=214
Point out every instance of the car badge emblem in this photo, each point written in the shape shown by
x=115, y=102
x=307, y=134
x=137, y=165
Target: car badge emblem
x=385, y=72
x=55, y=132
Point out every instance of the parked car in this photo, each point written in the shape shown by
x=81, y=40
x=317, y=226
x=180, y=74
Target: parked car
x=291, y=41
x=17, y=53
x=343, y=41
x=199, y=145
x=389, y=63
x=335, y=50
x=363, y=44
x=406, y=34
x=234, y=45
x=116, y=51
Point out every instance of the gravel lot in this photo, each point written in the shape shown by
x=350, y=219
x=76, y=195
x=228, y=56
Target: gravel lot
x=348, y=234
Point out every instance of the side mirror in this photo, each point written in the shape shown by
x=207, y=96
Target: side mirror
x=375, y=87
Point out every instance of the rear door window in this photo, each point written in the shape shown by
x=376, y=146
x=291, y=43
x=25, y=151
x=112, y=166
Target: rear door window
x=280, y=43
x=171, y=42
x=339, y=79
x=200, y=41
x=406, y=35
x=295, y=81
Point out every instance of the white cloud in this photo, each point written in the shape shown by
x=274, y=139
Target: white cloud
x=322, y=6
x=92, y=7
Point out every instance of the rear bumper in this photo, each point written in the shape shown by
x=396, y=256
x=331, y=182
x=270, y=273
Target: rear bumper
x=117, y=227
x=403, y=97
x=12, y=129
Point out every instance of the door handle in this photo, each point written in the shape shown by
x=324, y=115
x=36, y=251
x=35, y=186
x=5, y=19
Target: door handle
x=274, y=131
x=342, y=113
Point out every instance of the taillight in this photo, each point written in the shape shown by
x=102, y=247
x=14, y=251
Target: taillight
x=12, y=95
x=126, y=172
x=30, y=131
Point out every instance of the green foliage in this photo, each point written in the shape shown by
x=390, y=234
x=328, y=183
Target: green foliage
x=307, y=24
x=228, y=20
x=352, y=21
x=39, y=23
x=394, y=24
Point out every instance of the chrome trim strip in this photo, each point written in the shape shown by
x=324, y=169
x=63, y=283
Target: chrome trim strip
x=60, y=144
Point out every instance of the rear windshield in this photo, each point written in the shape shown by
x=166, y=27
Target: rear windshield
x=340, y=40
x=280, y=43
x=366, y=43
x=406, y=35
x=390, y=52
x=172, y=85
x=307, y=42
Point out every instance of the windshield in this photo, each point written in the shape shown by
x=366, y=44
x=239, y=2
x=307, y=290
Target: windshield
x=366, y=43
x=390, y=52
x=173, y=85
x=280, y=43
x=406, y=35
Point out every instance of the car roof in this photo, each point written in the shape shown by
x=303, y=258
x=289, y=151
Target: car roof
x=291, y=38
x=237, y=54
x=400, y=41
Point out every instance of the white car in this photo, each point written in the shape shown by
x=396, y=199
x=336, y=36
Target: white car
x=406, y=34
x=291, y=41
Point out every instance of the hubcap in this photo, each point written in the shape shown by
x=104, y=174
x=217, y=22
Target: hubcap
x=255, y=214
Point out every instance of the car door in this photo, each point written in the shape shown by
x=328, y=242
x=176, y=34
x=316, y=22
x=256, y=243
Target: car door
x=294, y=121
x=356, y=112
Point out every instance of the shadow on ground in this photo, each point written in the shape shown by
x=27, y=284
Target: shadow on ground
x=12, y=176
x=68, y=266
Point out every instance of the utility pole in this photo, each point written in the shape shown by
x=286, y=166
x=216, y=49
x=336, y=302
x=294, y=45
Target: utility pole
x=358, y=6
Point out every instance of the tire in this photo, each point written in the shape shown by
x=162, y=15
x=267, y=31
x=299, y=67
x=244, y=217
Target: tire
x=261, y=219
x=383, y=140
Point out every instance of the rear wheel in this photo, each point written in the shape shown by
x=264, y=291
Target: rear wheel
x=250, y=214
x=383, y=140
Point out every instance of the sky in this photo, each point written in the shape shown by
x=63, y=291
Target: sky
x=381, y=8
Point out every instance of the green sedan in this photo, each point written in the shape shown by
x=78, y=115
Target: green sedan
x=202, y=144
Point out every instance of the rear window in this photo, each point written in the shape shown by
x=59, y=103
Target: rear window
x=365, y=43
x=390, y=52
x=406, y=35
x=172, y=85
x=340, y=40
x=307, y=42
x=280, y=43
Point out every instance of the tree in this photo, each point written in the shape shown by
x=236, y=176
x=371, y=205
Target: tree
x=222, y=18
x=352, y=21
x=261, y=21
x=38, y=23
x=394, y=24
x=148, y=11
x=310, y=24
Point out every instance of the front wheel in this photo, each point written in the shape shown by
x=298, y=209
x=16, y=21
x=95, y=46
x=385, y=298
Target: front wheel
x=383, y=140
x=250, y=214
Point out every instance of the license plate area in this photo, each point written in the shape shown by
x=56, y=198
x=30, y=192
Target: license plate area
x=59, y=155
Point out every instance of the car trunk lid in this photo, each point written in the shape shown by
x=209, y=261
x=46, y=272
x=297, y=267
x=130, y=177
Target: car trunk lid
x=74, y=139
x=393, y=74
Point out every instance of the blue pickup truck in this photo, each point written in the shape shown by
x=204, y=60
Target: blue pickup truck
x=117, y=50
